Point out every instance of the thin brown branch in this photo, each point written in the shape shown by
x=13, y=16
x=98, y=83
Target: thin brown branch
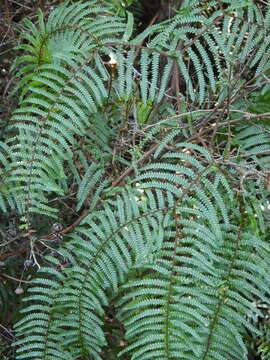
x=13, y=278
x=130, y=169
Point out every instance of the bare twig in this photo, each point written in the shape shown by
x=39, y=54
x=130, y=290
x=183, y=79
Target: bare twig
x=9, y=241
x=246, y=116
x=130, y=169
x=8, y=331
x=32, y=239
x=13, y=278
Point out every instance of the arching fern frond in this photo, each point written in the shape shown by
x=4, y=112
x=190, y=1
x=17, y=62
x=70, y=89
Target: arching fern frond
x=67, y=87
x=200, y=271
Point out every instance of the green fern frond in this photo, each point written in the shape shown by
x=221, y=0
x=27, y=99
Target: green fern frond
x=201, y=272
x=164, y=311
x=65, y=91
x=254, y=144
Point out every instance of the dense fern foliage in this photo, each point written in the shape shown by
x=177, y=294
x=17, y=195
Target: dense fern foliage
x=156, y=140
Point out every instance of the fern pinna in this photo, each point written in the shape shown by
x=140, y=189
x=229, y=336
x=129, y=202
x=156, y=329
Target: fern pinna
x=177, y=247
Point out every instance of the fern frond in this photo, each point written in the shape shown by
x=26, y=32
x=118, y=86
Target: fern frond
x=66, y=90
x=164, y=311
x=200, y=271
x=254, y=144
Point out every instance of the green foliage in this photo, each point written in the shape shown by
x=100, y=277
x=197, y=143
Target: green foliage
x=181, y=245
x=64, y=82
x=120, y=6
x=264, y=346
